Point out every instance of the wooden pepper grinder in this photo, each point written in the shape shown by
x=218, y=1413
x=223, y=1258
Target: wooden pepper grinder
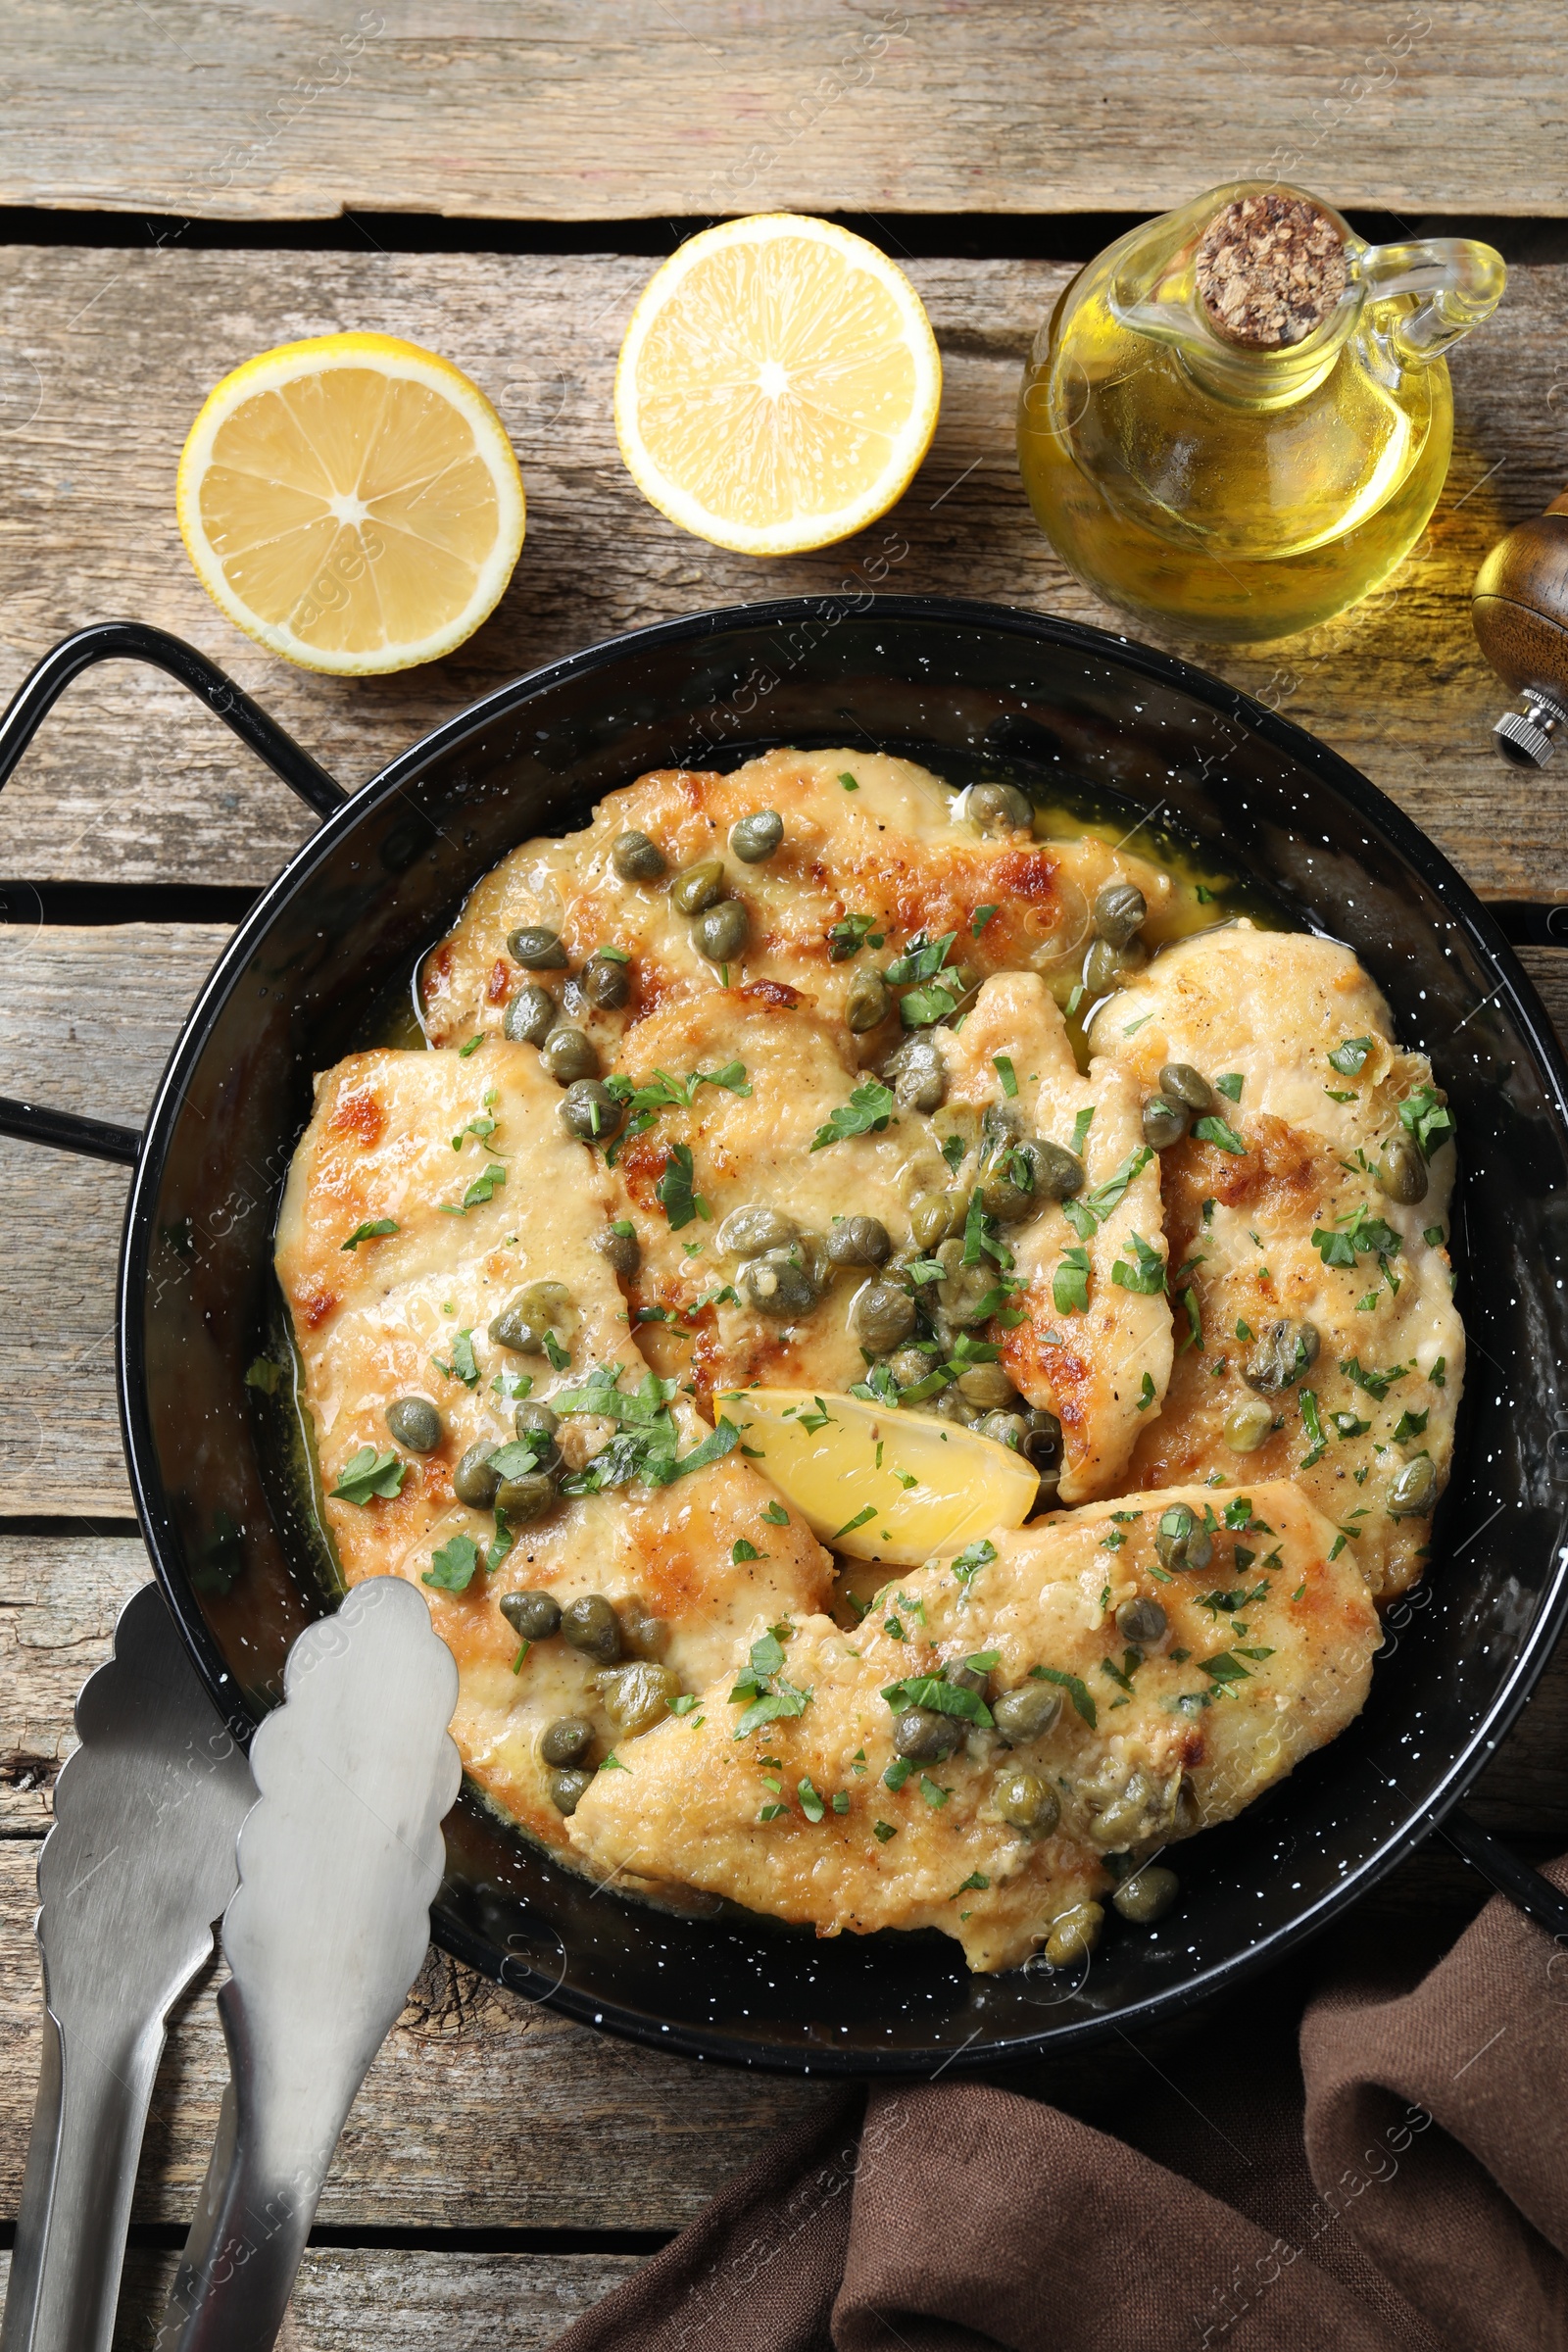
x=1520, y=613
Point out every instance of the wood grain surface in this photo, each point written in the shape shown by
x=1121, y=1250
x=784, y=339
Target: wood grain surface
x=350, y=2298
x=109, y=355
x=585, y=110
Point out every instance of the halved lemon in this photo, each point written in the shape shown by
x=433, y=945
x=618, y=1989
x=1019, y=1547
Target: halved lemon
x=890, y=1486
x=352, y=502
x=778, y=385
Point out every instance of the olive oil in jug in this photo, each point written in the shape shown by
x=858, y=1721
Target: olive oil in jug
x=1237, y=418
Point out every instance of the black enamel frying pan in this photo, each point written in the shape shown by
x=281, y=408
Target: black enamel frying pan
x=966, y=688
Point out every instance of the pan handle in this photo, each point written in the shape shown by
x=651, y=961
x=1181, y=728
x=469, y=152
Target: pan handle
x=134, y=641
x=1529, y=922
x=1535, y=1895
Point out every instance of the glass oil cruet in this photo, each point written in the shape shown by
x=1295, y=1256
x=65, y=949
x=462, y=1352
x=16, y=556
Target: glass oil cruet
x=1237, y=418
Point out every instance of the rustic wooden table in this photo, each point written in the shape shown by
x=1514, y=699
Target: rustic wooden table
x=497, y=183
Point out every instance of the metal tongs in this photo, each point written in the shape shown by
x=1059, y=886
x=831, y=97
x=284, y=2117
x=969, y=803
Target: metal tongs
x=338, y=1859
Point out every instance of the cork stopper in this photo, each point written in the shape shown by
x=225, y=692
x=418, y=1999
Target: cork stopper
x=1270, y=269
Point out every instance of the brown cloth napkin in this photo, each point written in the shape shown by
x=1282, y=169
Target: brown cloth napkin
x=1403, y=2189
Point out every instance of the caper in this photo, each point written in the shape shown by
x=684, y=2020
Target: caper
x=719, y=933
x=1003, y=1429
x=1043, y=1445
x=965, y=1677
x=637, y=1696
x=868, y=1000
x=591, y=1112
x=1026, y=1803
x=1141, y=1621
x=530, y=1016
x=998, y=808
x=606, y=982
x=936, y=1216
x=636, y=858
x=988, y=1386
x=924, y=1736
x=641, y=1631
x=569, y=1789
x=1179, y=1083
x=778, y=1285
x=537, y=947
x=1104, y=966
x=700, y=886
x=568, y=1055
x=590, y=1623
x=964, y=1291
x=1181, y=1538
x=1058, y=1172
x=524, y=1321
x=1164, y=1122
x=920, y=1075
x=884, y=1316
x=1027, y=1713
x=1282, y=1351
x=1011, y=1186
x=1074, y=1935
x=951, y=1404
x=908, y=1366
x=1248, y=1425
x=414, y=1423
x=1415, y=1490
x=747, y=1232
x=624, y=1250
x=1148, y=1894
x=755, y=838
x=1401, y=1172
x=528, y=1498
x=1119, y=909
x=536, y=1421
x=568, y=1740
x=858, y=1242
x=532, y=1616
x=473, y=1481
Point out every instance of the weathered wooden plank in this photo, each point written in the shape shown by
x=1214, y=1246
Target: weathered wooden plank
x=595, y=111
x=479, y=2111
x=88, y=1020
x=351, y=2299
x=111, y=354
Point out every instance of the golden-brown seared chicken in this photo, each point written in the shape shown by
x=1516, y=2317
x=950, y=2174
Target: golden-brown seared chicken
x=1307, y=1213
x=1093, y=1345
x=400, y=1256
x=873, y=848
x=790, y=1796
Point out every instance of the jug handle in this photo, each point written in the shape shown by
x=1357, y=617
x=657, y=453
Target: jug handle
x=1462, y=283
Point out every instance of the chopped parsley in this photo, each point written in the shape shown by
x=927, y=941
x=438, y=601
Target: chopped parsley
x=973, y=1558
x=646, y=1443
x=1002, y=1063
x=1434, y=1237
x=1230, y=1085
x=463, y=1366
x=451, y=1569
x=375, y=1231
x=979, y=920
x=1410, y=1425
x=1425, y=1115
x=776, y=1514
x=1147, y=1396
x=674, y=1191
x=766, y=1692
x=371, y=1473
x=1219, y=1132
x=1080, y=1131
x=1145, y=1274
x=848, y=781
x=1375, y=1384
x=265, y=1375
x=933, y=1791
x=1439, y=1374
x=939, y=1696
x=811, y=1804
x=882, y=1831
x=859, y=1520
x=1069, y=1286
x=1348, y=1057
x=473, y=1047
x=741, y=1550
x=897, y=1773
x=866, y=1113
x=1318, y=1443
x=850, y=934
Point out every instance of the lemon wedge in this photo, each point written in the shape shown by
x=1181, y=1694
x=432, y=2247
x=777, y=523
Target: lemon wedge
x=896, y=1487
x=352, y=502
x=778, y=385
